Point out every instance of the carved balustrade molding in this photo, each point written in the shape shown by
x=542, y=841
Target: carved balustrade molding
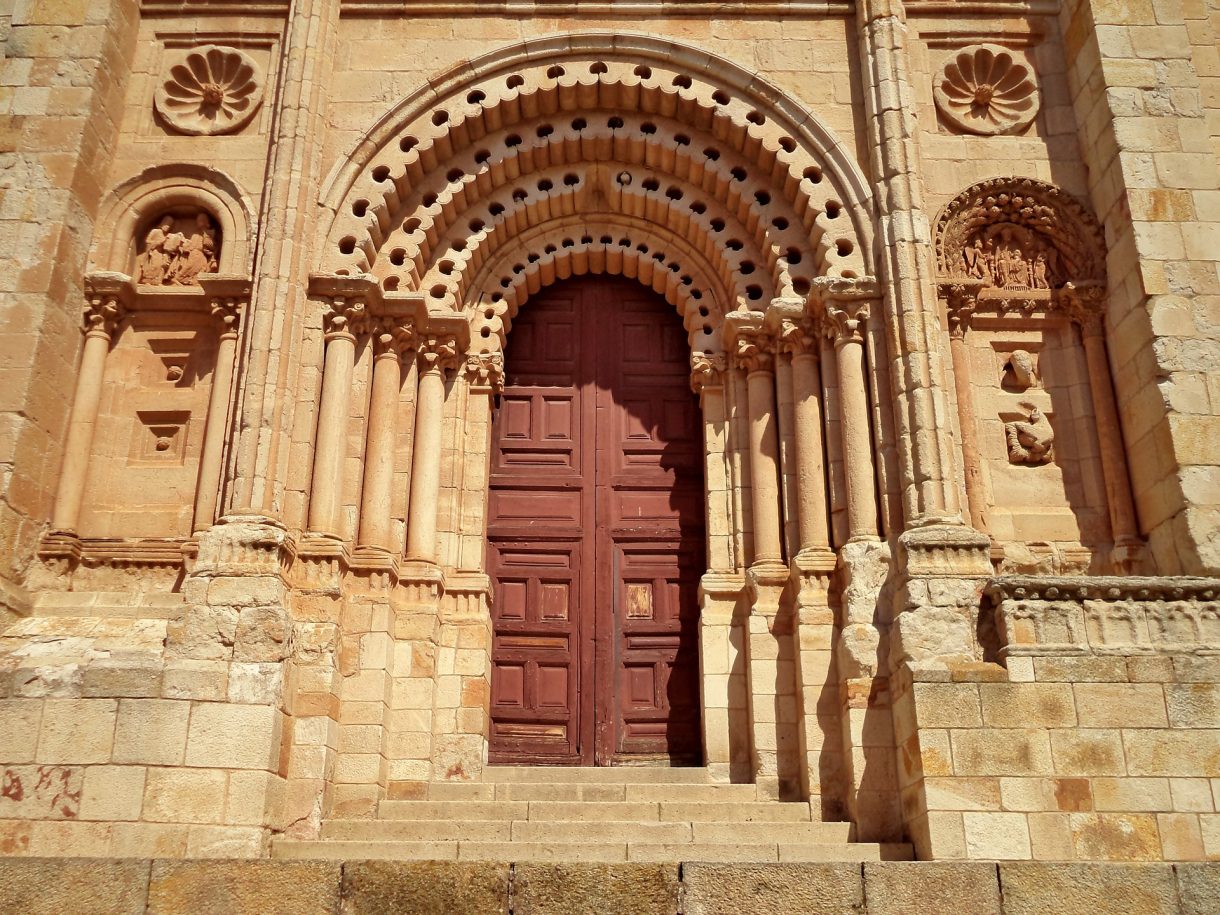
x=113, y=301
x=1037, y=616
x=1018, y=253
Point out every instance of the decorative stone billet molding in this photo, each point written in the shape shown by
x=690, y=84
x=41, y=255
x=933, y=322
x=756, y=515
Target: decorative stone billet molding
x=1104, y=615
x=210, y=90
x=984, y=89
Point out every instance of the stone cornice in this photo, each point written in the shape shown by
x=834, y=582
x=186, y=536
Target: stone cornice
x=1106, y=588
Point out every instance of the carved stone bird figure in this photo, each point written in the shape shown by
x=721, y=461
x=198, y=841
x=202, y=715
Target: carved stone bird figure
x=1030, y=442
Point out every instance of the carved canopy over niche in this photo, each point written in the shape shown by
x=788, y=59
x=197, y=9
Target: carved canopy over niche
x=1018, y=233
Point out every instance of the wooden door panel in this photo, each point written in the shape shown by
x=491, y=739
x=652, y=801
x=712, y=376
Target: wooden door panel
x=596, y=532
x=535, y=679
x=656, y=619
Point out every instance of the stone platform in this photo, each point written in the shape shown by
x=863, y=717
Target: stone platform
x=138, y=887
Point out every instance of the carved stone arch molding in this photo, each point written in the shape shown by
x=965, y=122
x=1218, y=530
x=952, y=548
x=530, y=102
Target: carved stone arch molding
x=139, y=201
x=743, y=194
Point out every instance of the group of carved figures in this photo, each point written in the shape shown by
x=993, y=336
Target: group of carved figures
x=175, y=258
x=1010, y=257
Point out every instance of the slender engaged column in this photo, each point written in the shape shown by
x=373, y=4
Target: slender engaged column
x=1086, y=307
x=102, y=316
x=846, y=322
x=436, y=356
x=961, y=305
x=754, y=355
x=207, y=490
x=707, y=380
x=343, y=322
x=392, y=342
x=800, y=339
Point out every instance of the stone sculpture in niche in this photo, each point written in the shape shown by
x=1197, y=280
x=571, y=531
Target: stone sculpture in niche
x=176, y=250
x=983, y=89
x=1011, y=257
x=1030, y=442
x=210, y=90
x=1020, y=371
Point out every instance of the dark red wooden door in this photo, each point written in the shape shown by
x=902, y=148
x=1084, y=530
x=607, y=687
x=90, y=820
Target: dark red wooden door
x=595, y=532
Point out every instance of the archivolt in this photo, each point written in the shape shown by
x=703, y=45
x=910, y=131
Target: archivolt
x=629, y=125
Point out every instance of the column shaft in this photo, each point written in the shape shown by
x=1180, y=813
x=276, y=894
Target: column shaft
x=332, y=432
x=764, y=467
x=810, y=469
x=975, y=496
x=79, y=444
x=857, y=442
x=207, y=490
x=375, y=528
x=1109, y=433
x=426, y=468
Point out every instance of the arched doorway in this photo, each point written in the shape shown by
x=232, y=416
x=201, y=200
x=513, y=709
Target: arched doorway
x=596, y=532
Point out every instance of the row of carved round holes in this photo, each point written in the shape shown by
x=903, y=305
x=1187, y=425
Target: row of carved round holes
x=832, y=208
x=408, y=143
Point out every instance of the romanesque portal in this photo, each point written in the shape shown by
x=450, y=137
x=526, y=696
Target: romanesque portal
x=802, y=413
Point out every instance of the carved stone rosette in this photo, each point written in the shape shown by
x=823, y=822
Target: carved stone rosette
x=210, y=90
x=984, y=89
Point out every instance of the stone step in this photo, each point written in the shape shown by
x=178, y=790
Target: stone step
x=604, y=851
x=582, y=811
x=615, y=775
x=576, y=791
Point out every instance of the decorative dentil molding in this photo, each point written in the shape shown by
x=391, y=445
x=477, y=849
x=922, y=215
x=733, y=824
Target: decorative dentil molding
x=210, y=90
x=984, y=89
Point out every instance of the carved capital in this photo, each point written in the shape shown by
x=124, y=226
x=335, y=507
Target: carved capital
x=1085, y=304
x=437, y=352
x=798, y=337
x=961, y=300
x=707, y=371
x=754, y=351
x=846, y=320
x=485, y=371
x=394, y=335
x=346, y=317
x=227, y=313
x=102, y=314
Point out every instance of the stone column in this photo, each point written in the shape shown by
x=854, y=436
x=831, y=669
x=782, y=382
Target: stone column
x=917, y=372
x=393, y=339
x=961, y=304
x=437, y=354
x=207, y=490
x=343, y=322
x=1086, y=306
x=755, y=355
x=707, y=380
x=799, y=339
x=846, y=320
x=102, y=316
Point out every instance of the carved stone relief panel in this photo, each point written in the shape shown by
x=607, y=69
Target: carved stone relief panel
x=1037, y=442
x=144, y=471
x=209, y=90
x=176, y=249
x=986, y=89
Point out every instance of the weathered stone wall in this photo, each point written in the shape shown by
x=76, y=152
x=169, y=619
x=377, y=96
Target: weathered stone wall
x=159, y=887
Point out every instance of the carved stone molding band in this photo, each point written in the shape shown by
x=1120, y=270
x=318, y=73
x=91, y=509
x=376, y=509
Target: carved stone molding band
x=984, y=89
x=210, y=90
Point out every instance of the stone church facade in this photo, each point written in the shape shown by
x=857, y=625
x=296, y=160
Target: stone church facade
x=818, y=397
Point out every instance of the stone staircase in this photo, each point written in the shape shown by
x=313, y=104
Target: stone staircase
x=584, y=814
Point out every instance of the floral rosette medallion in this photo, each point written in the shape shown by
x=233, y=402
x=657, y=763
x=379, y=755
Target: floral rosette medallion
x=984, y=89
x=210, y=90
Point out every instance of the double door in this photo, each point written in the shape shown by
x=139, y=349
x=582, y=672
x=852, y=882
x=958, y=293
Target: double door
x=596, y=533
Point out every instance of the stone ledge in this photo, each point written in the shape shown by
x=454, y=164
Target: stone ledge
x=54, y=886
